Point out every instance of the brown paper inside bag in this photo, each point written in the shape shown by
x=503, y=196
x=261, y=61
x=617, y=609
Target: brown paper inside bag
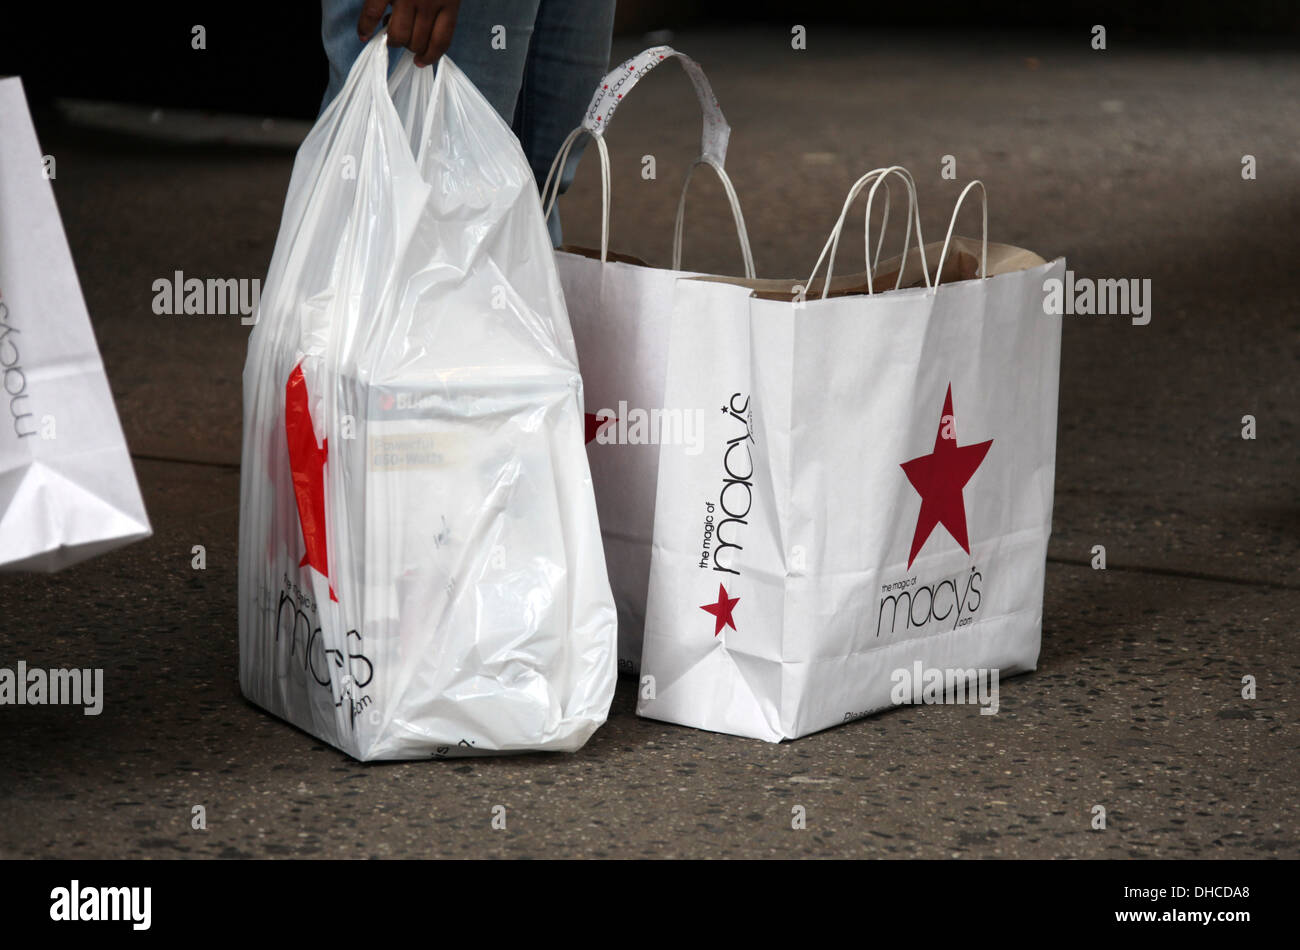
x=611, y=257
x=961, y=264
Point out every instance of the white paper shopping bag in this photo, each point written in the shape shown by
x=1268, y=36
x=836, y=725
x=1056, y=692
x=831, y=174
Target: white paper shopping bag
x=621, y=311
x=67, y=487
x=874, y=496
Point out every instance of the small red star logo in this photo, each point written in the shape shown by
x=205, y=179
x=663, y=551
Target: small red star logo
x=939, y=479
x=722, y=610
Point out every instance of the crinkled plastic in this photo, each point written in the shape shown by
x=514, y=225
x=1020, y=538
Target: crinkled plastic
x=420, y=567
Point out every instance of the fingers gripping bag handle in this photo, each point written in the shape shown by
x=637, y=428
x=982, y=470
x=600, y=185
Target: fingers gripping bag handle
x=715, y=135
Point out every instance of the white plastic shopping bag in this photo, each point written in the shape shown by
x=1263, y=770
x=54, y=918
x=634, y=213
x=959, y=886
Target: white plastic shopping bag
x=420, y=564
x=67, y=487
x=873, y=503
x=621, y=311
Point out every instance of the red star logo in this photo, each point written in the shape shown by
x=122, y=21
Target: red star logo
x=722, y=610
x=595, y=423
x=307, y=464
x=939, y=479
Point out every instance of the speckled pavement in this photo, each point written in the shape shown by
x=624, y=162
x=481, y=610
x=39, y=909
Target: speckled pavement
x=1126, y=162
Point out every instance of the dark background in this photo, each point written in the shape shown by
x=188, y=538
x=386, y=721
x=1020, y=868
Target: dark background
x=266, y=58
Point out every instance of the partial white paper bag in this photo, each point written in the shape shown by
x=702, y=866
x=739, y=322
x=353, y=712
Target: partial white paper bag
x=67, y=487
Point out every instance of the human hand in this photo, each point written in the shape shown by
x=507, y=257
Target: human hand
x=423, y=26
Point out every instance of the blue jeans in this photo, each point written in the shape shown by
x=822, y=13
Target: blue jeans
x=556, y=53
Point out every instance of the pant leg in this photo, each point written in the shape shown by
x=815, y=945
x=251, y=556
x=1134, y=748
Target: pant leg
x=567, y=58
x=338, y=33
x=498, y=73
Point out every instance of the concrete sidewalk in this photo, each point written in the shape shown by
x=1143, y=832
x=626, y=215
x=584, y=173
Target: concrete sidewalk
x=1126, y=162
